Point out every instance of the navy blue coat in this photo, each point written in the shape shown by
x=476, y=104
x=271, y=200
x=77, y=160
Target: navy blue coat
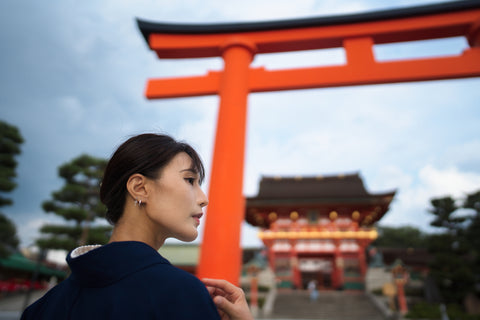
x=124, y=280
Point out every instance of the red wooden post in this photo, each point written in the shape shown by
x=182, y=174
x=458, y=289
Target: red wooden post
x=227, y=206
x=400, y=276
x=254, y=295
x=337, y=272
x=402, y=301
x=294, y=262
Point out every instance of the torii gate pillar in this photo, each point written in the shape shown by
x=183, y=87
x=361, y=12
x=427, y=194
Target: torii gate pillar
x=226, y=209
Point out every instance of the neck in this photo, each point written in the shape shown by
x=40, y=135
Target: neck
x=135, y=226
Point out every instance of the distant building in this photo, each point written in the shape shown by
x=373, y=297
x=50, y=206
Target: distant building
x=185, y=255
x=18, y=274
x=317, y=228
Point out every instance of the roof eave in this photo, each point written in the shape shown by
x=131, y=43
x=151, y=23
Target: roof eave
x=148, y=27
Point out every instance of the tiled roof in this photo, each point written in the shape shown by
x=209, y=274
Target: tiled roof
x=332, y=187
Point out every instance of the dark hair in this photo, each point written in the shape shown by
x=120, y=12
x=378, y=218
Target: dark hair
x=145, y=154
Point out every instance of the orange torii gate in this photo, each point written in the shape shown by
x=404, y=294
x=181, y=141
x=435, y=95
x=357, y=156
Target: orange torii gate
x=238, y=43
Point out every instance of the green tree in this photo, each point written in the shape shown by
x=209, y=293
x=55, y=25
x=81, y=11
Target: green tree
x=444, y=211
x=401, y=237
x=77, y=202
x=472, y=233
x=8, y=236
x=456, y=248
x=10, y=141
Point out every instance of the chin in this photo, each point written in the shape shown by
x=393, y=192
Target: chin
x=188, y=237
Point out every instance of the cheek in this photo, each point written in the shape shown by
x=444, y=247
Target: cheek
x=183, y=196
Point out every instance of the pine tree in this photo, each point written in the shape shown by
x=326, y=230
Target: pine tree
x=400, y=237
x=8, y=236
x=78, y=202
x=10, y=141
x=456, y=249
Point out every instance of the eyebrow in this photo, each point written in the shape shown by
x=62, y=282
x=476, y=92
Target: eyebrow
x=192, y=170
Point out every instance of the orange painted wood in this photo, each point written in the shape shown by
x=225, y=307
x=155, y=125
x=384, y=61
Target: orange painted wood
x=184, y=87
x=220, y=255
x=464, y=66
x=323, y=37
x=356, y=72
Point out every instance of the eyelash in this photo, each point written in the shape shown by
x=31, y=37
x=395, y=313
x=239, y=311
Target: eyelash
x=190, y=180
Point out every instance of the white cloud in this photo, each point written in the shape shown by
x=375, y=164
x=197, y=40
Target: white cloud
x=466, y=155
x=249, y=236
x=71, y=110
x=414, y=194
x=389, y=177
x=28, y=231
x=449, y=181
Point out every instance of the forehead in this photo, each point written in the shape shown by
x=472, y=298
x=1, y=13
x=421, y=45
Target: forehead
x=179, y=162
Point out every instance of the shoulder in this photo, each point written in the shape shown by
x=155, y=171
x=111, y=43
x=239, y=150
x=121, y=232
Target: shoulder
x=177, y=293
x=53, y=302
x=171, y=277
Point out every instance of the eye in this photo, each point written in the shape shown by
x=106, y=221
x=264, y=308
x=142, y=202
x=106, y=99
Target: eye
x=190, y=180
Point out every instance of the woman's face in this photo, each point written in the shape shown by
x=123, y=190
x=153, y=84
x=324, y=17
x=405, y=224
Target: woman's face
x=175, y=200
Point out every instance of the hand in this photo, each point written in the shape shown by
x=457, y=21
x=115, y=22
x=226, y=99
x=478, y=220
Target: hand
x=229, y=299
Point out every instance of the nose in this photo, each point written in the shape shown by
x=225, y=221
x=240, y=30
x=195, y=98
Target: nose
x=202, y=199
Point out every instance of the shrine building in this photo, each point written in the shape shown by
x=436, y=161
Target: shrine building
x=317, y=228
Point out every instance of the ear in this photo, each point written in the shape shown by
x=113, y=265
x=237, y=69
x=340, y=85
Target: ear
x=136, y=186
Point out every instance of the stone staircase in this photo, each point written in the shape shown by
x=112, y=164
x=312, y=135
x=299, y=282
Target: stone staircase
x=331, y=305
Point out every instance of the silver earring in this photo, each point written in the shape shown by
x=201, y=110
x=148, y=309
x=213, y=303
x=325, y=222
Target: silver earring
x=137, y=203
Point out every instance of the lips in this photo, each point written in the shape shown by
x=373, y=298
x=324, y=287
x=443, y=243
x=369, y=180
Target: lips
x=197, y=217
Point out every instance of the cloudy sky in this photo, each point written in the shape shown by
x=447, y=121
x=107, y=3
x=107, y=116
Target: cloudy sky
x=73, y=75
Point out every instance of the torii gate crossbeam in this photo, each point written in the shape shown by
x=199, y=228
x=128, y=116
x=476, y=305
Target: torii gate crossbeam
x=238, y=43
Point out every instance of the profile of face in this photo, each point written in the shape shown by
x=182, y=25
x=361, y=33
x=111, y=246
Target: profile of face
x=175, y=200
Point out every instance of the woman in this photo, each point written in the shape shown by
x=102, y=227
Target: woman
x=151, y=188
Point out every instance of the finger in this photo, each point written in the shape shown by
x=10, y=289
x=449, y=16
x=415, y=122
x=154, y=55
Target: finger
x=211, y=290
x=224, y=285
x=232, y=310
x=229, y=299
x=223, y=304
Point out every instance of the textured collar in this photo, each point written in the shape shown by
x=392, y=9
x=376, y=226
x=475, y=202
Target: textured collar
x=100, y=266
x=82, y=250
